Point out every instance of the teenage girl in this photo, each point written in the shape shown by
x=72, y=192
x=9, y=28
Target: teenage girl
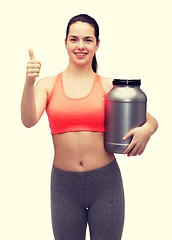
x=86, y=183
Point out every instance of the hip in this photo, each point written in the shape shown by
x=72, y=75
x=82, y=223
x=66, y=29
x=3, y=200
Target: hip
x=83, y=162
x=96, y=180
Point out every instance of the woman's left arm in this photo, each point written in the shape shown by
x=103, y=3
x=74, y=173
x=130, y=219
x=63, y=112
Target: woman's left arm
x=141, y=136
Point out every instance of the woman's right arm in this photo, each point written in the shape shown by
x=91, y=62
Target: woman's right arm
x=34, y=98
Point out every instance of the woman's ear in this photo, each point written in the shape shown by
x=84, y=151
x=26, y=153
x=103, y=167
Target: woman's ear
x=98, y=45
x=65, y=41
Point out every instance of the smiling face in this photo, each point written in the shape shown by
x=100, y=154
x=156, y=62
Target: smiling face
x=81, y=43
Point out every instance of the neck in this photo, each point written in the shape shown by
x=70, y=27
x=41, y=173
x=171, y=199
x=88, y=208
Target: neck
x=79, y=71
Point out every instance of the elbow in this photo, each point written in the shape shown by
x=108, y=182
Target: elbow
x=152, y=122
x=27, y=125
x=27, y=122
x=156, y=124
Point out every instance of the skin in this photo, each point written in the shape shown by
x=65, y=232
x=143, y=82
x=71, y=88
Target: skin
x=77, y=151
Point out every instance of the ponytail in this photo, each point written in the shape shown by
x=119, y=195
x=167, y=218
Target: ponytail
x=94, y=64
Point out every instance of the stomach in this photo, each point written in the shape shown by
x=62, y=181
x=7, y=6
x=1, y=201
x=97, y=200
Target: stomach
x=80, y=151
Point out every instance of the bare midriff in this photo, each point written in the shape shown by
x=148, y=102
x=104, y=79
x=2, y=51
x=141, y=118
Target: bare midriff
x=80, y=151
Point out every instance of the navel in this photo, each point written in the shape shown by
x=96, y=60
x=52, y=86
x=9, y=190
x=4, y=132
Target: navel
x=81, y=164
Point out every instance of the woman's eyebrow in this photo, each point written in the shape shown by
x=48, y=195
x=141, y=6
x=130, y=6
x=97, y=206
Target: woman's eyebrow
x=89, y=37
x=73, y=36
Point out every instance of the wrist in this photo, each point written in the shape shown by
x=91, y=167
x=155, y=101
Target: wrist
x=29, y=81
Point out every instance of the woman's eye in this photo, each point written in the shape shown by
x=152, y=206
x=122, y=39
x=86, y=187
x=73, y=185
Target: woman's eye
x=73, y=40
x=88, y=40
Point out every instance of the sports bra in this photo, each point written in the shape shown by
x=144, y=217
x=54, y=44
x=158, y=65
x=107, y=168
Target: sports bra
x=82, y=114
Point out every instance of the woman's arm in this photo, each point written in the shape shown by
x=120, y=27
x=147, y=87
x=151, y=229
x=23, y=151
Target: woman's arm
x=34, y=97
x=141, y=136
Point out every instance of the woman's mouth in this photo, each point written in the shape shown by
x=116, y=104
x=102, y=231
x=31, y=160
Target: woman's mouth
x=80, y=54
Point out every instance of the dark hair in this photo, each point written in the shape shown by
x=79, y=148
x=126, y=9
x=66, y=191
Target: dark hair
x=86, y=18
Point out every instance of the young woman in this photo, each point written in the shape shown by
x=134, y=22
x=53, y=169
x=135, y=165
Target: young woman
x=86, y=183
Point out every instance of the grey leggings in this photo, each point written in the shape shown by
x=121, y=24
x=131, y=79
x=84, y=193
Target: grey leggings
x=95, y=197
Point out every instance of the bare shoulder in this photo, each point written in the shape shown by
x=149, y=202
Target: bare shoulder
x=107, y=83
x=46, y=84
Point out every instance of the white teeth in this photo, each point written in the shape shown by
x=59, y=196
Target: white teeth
x=80, y=54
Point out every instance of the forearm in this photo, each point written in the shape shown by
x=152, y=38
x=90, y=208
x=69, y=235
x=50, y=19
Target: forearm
x=151, y=124
x=28, y=106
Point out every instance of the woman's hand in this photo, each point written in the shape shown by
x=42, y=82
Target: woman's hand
x=141, y=136
x=33, y=67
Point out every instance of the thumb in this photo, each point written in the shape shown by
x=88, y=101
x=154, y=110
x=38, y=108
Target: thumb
x=129, y=134
x=31, y=54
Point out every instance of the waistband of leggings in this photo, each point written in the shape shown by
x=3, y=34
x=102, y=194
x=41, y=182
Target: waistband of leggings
x=90, y=172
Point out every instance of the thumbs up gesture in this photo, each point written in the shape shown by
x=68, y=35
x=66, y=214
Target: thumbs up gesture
x=33, y=67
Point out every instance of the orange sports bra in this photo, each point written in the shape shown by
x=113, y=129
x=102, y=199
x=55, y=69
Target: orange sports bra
x=82, y=114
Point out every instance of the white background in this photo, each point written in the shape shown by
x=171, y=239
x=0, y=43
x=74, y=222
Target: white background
x=136, y=42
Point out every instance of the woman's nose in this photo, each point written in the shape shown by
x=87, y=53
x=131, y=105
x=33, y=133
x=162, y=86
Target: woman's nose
x=81, y=45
